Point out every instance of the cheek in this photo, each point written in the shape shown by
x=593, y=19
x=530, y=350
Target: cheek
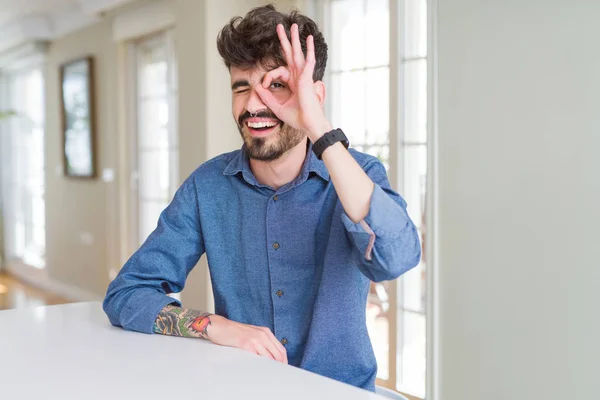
x=236, y=110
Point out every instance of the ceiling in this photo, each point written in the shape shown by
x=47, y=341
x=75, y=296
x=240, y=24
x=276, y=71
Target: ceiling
x=26, y=20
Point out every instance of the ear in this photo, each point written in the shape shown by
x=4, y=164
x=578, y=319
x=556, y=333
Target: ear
x=321, y=91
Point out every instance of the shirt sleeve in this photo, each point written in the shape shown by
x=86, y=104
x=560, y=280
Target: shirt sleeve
x=160, y=266
x=386, y=241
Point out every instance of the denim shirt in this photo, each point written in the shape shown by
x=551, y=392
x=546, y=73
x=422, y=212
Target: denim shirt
x=289, y=259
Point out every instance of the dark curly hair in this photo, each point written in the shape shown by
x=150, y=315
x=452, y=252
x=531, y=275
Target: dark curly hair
x=252, y=40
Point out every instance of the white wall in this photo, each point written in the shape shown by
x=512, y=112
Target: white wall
x=519, y=186
x=76, y=207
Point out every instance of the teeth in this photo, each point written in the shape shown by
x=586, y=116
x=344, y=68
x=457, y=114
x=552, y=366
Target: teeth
x=261, y=124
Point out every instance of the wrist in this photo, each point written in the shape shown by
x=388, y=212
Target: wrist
x=215, y=328
x=319, y=130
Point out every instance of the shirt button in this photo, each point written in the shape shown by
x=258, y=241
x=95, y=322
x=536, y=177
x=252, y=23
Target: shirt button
x=284, y=341
x=275, y=198
x=279, y=293
x=275, y=245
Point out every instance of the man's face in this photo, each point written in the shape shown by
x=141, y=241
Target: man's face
x=266, y=137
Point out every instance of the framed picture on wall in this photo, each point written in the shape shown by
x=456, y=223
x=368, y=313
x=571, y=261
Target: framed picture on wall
x=77, y=104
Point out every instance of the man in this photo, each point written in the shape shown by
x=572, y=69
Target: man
x=292, y=240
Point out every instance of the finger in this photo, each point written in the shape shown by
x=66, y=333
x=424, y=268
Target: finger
x=268, y=99
x=285, y=44
x=297, y=48
x=309, y=68
x=278, y=347
x=275, y=350
x=263, y=352
x=282, y=73
x=282, y=350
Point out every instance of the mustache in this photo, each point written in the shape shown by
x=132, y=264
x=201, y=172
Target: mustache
x=260, y=114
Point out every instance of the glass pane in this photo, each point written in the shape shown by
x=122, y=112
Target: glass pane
x=378, y=106
x=348, y=105
x=411, y=374
x=378, y=32
x=36, y=164
x=39, y=237
x=153, y=72
x=35, y=97
x=414, y=182
x=154, y=175
x=19, y=237
x=411, y=360
x=413, y=285
x=149, y=213
x=38, y=211
x=334, y=92
x=378, y=326
x=157, y=128
x=348, y=34
x=153, y=123
x=415, y=35
x=382, y=152
x=23, y=166
x=415, y=101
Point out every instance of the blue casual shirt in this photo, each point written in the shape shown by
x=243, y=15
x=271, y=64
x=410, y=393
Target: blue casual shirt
x=289, y=259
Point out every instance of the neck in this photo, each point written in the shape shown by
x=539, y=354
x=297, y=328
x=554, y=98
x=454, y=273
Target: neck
x=281, y=171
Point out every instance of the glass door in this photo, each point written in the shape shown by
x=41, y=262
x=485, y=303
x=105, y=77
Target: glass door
x=156, y=146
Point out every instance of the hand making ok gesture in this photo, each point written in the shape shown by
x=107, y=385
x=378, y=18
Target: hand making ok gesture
x=304, y=109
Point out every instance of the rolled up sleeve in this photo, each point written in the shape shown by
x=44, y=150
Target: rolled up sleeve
x=386, y=242
x=160, y=266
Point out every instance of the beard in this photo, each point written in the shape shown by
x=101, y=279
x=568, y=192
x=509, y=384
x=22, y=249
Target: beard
x=274, y=146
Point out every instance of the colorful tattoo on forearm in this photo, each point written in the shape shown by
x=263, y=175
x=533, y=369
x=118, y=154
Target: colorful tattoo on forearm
x=176, y=321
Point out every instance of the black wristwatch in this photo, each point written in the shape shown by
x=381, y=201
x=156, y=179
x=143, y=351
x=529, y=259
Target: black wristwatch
x=329, y=139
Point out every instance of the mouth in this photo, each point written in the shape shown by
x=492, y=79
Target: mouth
x=261, y=127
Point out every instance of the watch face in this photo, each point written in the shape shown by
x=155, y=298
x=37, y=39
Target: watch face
x=343, y=138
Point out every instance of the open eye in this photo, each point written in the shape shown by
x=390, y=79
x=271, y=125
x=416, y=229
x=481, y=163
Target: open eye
x=277, y=85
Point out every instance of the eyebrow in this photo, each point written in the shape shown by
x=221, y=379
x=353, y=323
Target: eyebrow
x=239, y=84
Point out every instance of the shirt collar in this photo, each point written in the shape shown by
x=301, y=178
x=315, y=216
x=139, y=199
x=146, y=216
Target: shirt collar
x=315, y=165
x=240, y=163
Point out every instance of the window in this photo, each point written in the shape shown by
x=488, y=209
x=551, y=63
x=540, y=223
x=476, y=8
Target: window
x=156, y=141
x=411, y=289
x=22, y=155
x=378, y=60
x=359, y=73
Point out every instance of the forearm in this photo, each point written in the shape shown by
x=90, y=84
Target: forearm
x=184, y=322
x=353, y=186
x=387, y=239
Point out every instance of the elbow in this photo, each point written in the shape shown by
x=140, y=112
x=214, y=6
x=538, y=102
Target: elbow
x=392, y=272
x=115, y=302
x=394, y=259
x=406, y=262
x=108, y=305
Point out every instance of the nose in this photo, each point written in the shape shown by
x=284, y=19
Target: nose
x=254, y=103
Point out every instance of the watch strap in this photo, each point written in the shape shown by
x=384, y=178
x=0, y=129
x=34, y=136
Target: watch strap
x=329, y=139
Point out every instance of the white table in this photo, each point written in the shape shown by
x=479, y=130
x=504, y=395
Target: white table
x=72, y=352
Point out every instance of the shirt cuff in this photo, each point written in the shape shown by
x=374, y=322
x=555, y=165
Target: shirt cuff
x=142, y=309
x=385, y=219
